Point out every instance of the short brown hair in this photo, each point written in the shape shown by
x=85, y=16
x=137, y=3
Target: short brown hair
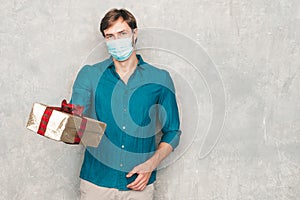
x=113, y=15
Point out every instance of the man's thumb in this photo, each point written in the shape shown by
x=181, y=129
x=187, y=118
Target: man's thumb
x=130, y=173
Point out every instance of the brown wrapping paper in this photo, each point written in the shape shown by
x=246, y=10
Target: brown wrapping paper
x=63, y=126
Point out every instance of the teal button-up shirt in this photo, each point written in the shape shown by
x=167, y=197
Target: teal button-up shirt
x=131, y=112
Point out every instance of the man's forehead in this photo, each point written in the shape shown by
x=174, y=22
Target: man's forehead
x=118, y=26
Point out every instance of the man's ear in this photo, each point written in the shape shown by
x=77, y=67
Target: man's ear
x=135, y=31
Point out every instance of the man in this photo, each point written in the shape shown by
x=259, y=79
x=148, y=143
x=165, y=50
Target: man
x=127, y=94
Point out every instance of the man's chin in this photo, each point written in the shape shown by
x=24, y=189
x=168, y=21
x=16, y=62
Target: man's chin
x=133, y=54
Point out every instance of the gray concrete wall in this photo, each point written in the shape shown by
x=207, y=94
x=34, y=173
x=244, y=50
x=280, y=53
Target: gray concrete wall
x=250, y=48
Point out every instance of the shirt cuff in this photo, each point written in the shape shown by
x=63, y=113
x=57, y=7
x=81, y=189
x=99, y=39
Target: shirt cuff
x=171, y=138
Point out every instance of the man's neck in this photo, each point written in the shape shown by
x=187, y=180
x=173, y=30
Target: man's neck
x=127, y=67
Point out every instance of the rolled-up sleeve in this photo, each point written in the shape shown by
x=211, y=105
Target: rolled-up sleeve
x=168, y=113
x=81, y=92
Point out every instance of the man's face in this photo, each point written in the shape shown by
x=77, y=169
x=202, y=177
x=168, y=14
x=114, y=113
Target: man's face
x=120, y=29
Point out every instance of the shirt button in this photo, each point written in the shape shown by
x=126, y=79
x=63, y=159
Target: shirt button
x=124, y=127
x=122, y=146
x=121, y=165
x=124, y=109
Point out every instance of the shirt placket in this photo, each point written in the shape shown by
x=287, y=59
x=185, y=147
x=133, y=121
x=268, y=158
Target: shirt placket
x=124, y=128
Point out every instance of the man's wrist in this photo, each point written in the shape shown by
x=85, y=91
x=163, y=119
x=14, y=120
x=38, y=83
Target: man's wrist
x=154, y=161
x=163, y=150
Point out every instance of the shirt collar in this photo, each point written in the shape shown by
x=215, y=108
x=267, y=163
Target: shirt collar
x=140, y=64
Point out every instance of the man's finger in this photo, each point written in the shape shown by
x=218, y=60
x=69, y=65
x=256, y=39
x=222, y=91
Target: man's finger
x=140, y=185
x=144, y=187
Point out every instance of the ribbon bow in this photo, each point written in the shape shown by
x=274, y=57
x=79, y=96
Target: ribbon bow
x=71, y=108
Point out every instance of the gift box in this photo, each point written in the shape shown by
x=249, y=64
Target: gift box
x=66, y=124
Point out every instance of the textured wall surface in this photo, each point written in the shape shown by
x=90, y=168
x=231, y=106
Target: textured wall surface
x=254, y=45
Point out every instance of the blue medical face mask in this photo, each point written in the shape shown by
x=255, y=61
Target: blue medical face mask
x=120, y=49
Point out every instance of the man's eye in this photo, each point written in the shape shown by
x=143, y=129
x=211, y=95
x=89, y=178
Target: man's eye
x=124, y=33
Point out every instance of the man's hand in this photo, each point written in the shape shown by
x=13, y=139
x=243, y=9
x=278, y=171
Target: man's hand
x=145, y=169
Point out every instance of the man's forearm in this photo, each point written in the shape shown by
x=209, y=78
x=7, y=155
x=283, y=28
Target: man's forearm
x=163, y=150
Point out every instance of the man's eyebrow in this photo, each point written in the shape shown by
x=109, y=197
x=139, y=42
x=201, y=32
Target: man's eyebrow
x=109, y=34
x=122, y=31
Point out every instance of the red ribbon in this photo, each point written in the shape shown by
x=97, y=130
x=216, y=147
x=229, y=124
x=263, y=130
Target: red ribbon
x=67, y=108
x=71, y=108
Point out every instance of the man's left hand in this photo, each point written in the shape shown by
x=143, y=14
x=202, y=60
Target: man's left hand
x=144, y=171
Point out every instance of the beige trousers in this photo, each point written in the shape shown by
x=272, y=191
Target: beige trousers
x=90, y=191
